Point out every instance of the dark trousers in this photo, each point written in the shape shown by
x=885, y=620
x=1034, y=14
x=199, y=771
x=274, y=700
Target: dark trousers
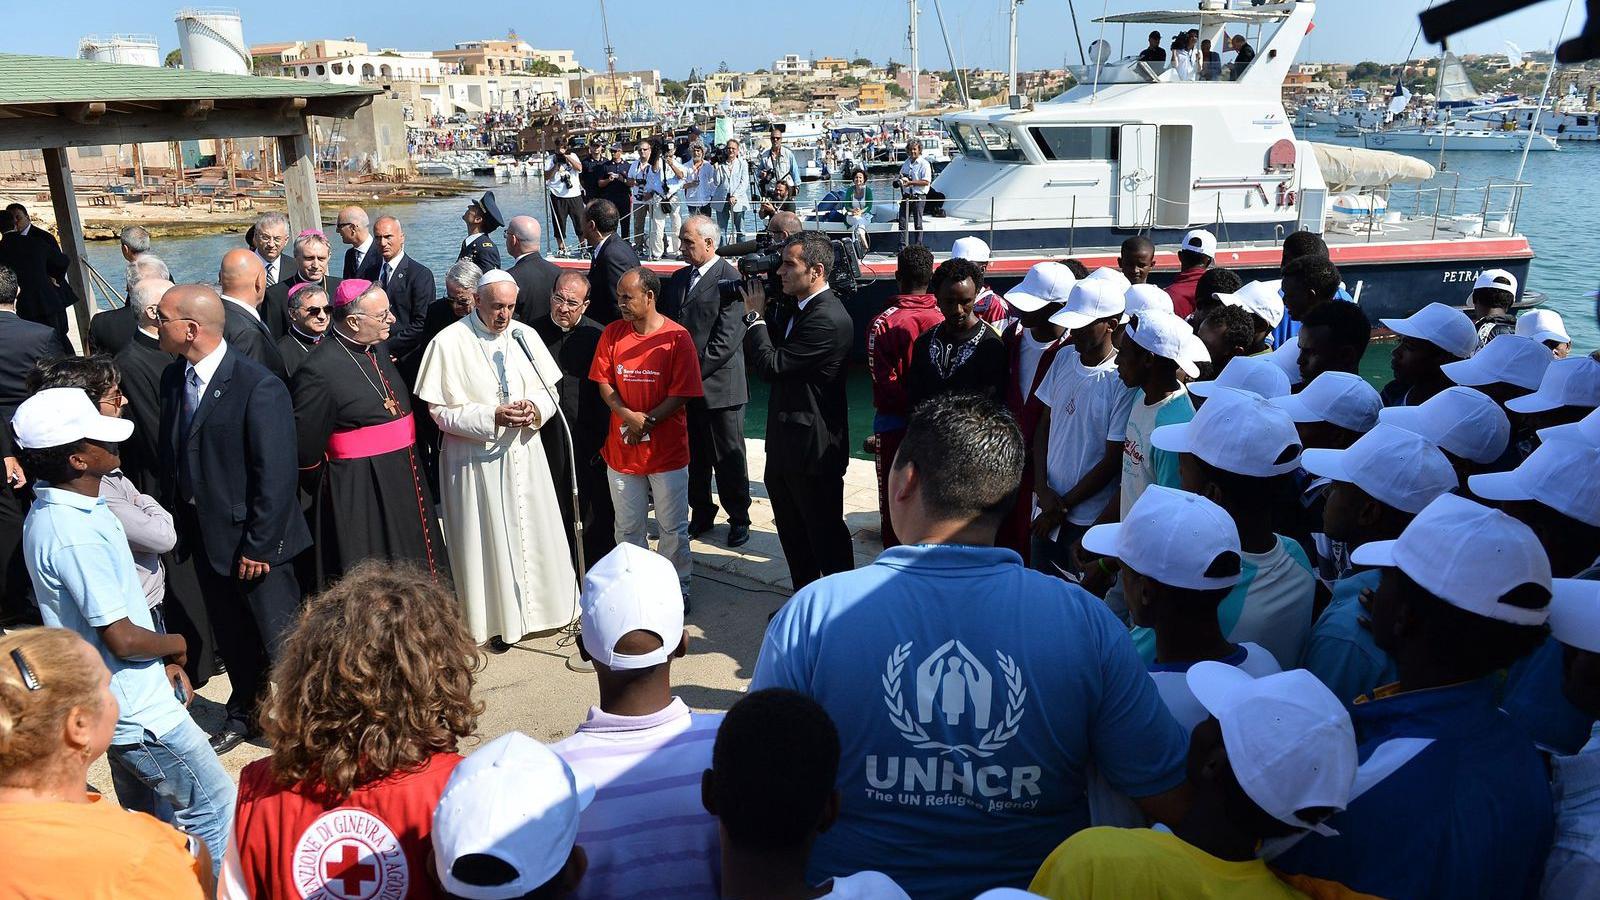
x=249, y=618
x=716, y=445
x=594, y=505
x=564, y=209
x=911, y=213
x=808, y=509
x=16, y=588
x=888, y=445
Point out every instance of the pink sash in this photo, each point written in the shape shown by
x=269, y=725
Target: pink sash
x=373, y=440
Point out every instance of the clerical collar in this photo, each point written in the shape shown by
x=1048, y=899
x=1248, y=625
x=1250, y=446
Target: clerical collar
x=313, y=338
x=352, y=342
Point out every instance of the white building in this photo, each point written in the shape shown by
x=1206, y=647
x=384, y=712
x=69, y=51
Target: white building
x=384, y=65
x=792, y=64
x=478, y=94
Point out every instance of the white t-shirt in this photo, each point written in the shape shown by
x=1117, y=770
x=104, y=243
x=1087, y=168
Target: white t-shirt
x=1143, y=464
x=1277, y=602
x=1088, y=407
x=1029, y=352
x=866, y=886
x=562, y=179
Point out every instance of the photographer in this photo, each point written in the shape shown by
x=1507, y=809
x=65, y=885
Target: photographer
x=700, y=185
x=803, y=354
x=777, y=166
x=562, y=172
x=916, y=176
x=644, y=180
x=780, y=200
x=733, y=193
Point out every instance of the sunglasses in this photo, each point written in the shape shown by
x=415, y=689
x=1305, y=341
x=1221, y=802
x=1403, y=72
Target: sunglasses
x=314, y=310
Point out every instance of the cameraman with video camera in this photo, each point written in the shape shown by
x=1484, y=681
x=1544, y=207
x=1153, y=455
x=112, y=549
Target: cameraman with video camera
x=916, y=175
x=563, y=172
x=802, y=352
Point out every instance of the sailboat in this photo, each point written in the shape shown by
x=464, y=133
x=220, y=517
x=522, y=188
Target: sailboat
x=1457, y=94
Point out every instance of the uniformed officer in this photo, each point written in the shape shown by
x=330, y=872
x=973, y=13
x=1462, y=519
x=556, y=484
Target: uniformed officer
x=482, y=218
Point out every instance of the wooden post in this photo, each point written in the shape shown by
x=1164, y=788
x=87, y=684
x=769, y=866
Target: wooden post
x=300, y=182
x=138, y=171
x=69, y=230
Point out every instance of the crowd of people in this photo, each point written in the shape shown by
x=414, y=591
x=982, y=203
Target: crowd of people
x=1173, y=601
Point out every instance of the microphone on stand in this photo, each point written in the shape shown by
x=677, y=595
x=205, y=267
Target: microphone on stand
x=572, y=453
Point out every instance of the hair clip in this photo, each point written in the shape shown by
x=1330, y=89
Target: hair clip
x=29, y=680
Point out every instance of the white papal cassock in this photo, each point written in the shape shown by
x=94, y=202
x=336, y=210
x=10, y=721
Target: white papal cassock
x=508, y=547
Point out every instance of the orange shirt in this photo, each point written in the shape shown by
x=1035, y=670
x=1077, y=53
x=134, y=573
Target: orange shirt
x=645, y=370
x=92, y=851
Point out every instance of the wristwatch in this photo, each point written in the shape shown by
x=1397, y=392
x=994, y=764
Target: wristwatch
x=751, y=318
x=649, y=422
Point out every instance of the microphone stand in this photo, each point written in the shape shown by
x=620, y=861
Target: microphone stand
x=574, y=662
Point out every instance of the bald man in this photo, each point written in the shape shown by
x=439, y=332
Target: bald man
x=229, y=474
x=355, y=230
x=535, y=276
x=410, y=287
x=244, y=283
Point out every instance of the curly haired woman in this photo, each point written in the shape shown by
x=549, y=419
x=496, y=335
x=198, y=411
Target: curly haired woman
x=372, y=694
x=57, y=714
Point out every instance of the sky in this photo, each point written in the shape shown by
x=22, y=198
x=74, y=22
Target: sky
x=659, y=34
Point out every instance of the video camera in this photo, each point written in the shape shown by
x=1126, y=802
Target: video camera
x=761, y=258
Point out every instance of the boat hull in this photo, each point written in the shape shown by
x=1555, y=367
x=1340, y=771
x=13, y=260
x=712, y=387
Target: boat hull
x=1457, y=141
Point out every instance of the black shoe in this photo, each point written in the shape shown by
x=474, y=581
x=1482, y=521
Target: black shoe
x=738, y=535
x=496, y=645
x=699, y=525
x=227, y=739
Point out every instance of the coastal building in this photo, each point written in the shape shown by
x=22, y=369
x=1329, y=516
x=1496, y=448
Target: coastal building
x=874, y=97
x=831, y=66
x=477, y=94
x=929, y=86
x=601, y=90
x=504, y=56
x=383, y=66
x=792, y=64
x=730, y=86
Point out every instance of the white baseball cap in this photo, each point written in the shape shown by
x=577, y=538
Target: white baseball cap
x=1236, y=431
x=55, y=417
x=515, y=800
x=1287, y=358
x=1543, y=325
x=1164, y=334
x=970, y=248
x=1140, y=297
x=1199, y=241
x=1255, y=374
x=1396, y=467
x=1045, y=283
x=1499, y=279
x=1172, y=537
x=1563, y=475
x=1507, y=359
x=1445, y=327
x=630, y=589
x=1111, y=274
x=1502, y=555
x=1575, y=613
x=1340, y=398
x=1290, y=742
x=1458, y=420
x=1091, y=299
x=1585, y=430
x=1574, y=381
x=1263, y=298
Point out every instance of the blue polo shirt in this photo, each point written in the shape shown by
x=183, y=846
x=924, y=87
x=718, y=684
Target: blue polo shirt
x=1342, y=653
x=971, y=694
x=84, y=579
x=1452, y=801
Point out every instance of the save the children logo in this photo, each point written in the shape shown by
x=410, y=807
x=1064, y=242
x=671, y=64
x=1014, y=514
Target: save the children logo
x=955, y=689
x=350, y=854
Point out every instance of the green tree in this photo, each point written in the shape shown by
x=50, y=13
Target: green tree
x=893, y=68
x=762, y=72
x=895, y=90
x=543, y=67
x=174, y=59
x=1365, y=71
x=861, y=61
x=673, y=89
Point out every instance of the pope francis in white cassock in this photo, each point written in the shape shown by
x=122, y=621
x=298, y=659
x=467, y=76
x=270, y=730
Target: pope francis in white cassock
x=508, y=547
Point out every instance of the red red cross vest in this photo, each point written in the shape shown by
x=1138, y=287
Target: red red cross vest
x=373, y=846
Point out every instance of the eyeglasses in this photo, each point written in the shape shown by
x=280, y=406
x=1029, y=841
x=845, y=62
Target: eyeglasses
x=566, y=302
x=387, y=313
x=162, y=320
x=343, y=225
x=264, y=238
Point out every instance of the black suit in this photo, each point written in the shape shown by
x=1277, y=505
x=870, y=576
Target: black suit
x=275, y=305
x=589, y=418
x=38, y=261
x=22, y=344
x=808, y=432
x=716, y=421
x=250, y=336
x=112, y=330
x=614, y=260
x=288, y=267
x=410, y=288
x=536, y=281
x=231, y=478
x=368, y=269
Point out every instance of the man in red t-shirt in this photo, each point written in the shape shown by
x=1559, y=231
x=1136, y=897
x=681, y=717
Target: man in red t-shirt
x=647, y=370
x=889, y=341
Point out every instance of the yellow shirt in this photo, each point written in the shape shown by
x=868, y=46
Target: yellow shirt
x=1119, y=863
x=92, y=851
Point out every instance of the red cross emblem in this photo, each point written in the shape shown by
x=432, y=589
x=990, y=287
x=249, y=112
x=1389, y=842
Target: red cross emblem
x=350, y=871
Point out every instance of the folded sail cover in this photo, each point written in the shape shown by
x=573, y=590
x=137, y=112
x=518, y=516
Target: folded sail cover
x=1349, y=168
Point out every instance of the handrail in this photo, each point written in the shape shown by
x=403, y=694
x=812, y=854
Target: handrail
x=105, y=286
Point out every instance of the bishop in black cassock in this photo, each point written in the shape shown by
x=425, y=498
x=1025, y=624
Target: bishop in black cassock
x=358, y=445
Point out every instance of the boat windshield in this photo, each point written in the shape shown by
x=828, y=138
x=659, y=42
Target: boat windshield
x=1001, y=143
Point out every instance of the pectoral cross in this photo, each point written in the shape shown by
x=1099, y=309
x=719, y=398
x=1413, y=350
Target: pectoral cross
x=392, y=406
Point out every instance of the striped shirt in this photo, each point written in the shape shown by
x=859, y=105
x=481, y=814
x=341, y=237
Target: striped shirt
x=646, y=833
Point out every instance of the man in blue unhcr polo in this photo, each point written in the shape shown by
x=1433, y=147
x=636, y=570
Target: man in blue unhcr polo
x=992, y=688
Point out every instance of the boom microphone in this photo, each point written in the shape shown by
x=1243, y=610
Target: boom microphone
x=743, y=248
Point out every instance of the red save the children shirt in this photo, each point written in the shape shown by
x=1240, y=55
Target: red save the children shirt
x=644, y=370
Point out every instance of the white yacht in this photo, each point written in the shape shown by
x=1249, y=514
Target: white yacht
x=1454, y=139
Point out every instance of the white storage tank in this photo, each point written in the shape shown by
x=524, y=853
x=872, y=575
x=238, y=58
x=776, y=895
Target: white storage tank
x=212, y=40
x=128, y=49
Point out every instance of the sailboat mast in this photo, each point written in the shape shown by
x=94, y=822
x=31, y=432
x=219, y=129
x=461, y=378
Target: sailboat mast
x=1011, y=78
x=916, y=80
x=611, y=56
